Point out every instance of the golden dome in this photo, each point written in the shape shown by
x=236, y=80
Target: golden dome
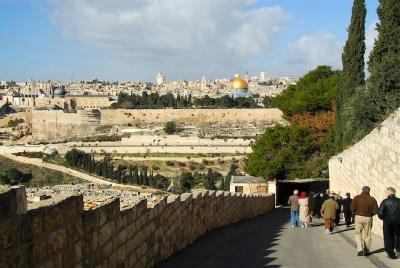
x=239, y=83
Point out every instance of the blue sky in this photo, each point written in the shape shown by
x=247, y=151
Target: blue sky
x=135, y=39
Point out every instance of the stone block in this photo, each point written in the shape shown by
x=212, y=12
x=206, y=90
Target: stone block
x=8, y=234
x=105, y=232
x=69, y=257
x=52, y=218
x=121, y=255
x=107, y=249
x=122, y=236
x=8, y=205
x=112, y=261
x=38, y=251
x=56, y=241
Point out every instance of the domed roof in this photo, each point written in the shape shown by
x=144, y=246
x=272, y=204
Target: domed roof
x=59, y=91
x=239, y=83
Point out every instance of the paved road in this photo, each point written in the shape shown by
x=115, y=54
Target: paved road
x=73, y=172
x=268, y=241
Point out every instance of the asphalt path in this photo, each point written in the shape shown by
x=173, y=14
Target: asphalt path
x=269, y=241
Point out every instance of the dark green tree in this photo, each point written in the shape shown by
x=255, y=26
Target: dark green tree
x=135, y=175
x=353, y=75
x=186, y=182
x=315, y=92
x=382, y=94
x=209, y=180
x=384, y=61
x=227, y=182
x=145, y=180
x=151, y=179
x=13, y=176
x=281, y=153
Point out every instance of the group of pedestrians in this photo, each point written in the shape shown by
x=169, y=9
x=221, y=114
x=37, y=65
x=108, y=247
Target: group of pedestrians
x=359, y=211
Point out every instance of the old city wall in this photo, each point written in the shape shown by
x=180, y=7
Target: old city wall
x=190, y=116
x=65, y=235
x=50, y=125
x=374, y=161
x=53, y=125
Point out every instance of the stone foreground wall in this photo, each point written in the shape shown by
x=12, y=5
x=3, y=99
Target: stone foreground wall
x=66, y=235
x=374, y=161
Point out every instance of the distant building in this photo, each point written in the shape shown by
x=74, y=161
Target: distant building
x=248, y=185
x=203, y=83
x=160, y=79
x=240, y=88
x=288, y=80
x=263, y=77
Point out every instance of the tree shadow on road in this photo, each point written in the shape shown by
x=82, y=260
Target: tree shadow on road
x=344, y=230
x=244, y=244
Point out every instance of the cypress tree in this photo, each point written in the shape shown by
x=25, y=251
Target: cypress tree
x=135, y=175
x=353, y=76
x=384, y=61
x=227, y=183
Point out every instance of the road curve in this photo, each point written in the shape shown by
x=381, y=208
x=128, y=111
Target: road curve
x=81, y=175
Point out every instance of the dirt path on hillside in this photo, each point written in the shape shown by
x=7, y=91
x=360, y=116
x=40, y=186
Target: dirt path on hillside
x=84, y=176
x=176, y=158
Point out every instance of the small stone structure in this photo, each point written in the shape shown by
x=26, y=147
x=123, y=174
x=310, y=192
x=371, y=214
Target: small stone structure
x=64, y=234
x=374, y=161
x=248, y=185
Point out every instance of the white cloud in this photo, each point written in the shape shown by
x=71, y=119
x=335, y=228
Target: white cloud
x=316, y=49
x=180, y=37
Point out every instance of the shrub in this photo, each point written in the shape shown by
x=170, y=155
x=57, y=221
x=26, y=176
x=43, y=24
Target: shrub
x=15, y=122
x=13, y=176
x=170, y=127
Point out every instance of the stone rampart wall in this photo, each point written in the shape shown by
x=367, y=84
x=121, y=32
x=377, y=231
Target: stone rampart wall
x=57, y=125
x=190, y=116
x=65, y=235
x=374, y=161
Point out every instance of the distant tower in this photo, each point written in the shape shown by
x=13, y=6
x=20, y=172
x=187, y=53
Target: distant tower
x=160, y=79
x=203, y=82
x=263, y=77
x=246, y=77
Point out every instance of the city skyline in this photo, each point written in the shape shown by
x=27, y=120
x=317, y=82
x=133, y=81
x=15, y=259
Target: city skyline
x=135, y=40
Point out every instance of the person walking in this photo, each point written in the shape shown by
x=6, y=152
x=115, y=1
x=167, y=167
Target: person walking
x=317, y=205
x=328, y=210
x=364, y=207
x=294, y=208
x=325, y=196
x=339, y=200
x=311, y=205
x=389, y=212
x=304, y=213
x=348, y=215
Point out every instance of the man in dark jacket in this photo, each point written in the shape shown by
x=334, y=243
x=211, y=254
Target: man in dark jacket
x=348, y=215
x=364, y=207
x=389, y=212
x=293, y=202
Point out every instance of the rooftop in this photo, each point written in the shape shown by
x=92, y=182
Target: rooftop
x=246, y=179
